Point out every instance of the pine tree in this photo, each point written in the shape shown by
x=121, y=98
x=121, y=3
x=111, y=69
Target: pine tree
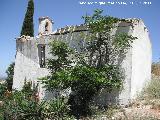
x=28, y=26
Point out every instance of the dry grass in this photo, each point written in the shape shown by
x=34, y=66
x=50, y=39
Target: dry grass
x=156, y=69
x=145, y=108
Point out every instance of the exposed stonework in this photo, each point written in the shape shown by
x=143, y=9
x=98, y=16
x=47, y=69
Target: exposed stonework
x=137, y=63
x=45, y=25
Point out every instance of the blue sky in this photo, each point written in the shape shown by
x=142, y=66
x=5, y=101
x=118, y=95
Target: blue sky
x=69, y=12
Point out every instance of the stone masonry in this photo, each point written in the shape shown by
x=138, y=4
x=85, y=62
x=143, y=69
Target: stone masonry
x=32, y=53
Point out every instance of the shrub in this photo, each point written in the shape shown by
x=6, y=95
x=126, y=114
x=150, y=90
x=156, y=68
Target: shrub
x=152, y=90
x=10, y=73
x=58, y=109
x=151, y=93
x=24, y=105
x=156, y=69
x=3, y=89
x=92, y=68
x=17, y=107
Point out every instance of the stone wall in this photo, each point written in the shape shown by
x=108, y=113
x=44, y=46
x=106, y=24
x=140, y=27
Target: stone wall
x=141, y=59
x=136, y=63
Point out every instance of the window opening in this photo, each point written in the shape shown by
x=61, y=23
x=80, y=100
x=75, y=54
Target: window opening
x=46, y=27
x=41, y=54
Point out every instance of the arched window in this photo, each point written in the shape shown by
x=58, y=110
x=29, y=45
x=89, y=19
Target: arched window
x=46, y=27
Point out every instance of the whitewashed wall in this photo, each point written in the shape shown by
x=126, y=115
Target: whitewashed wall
x=137, y=63
x=141, y=59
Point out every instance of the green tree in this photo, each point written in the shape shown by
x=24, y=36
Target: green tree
x=93, y=68
x=3, y=89
x=28, y=26
x=104, y=47
x=10, y=73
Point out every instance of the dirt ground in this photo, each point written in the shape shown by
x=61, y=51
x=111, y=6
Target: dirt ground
x=138, y=112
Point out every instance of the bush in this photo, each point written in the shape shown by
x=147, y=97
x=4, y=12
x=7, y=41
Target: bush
x=3, y=89
x=58, y=109
x=16, y=107
x=156, y=69
x=24, y=105
x=152, y=90
x=90, y=69
x=10, y=73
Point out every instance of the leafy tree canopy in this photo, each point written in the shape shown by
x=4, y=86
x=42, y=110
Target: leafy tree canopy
x=94, y=67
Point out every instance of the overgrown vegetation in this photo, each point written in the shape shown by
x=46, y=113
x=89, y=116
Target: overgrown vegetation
x=10, y=73
x=28, y=26
x=3, y=89
x=21, y=105
x=152, y=90
x=156, y=68
x=92, y=68
x=6, y=86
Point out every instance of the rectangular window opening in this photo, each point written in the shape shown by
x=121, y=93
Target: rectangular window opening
x=41, y=55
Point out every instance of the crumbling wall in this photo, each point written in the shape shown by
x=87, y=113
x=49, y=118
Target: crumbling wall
x=26, y=63
x=141, y=59
x=136, y=64
x=123, y=96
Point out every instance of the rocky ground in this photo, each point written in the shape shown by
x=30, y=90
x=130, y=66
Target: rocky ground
x=137, y=113
x=139, y=110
